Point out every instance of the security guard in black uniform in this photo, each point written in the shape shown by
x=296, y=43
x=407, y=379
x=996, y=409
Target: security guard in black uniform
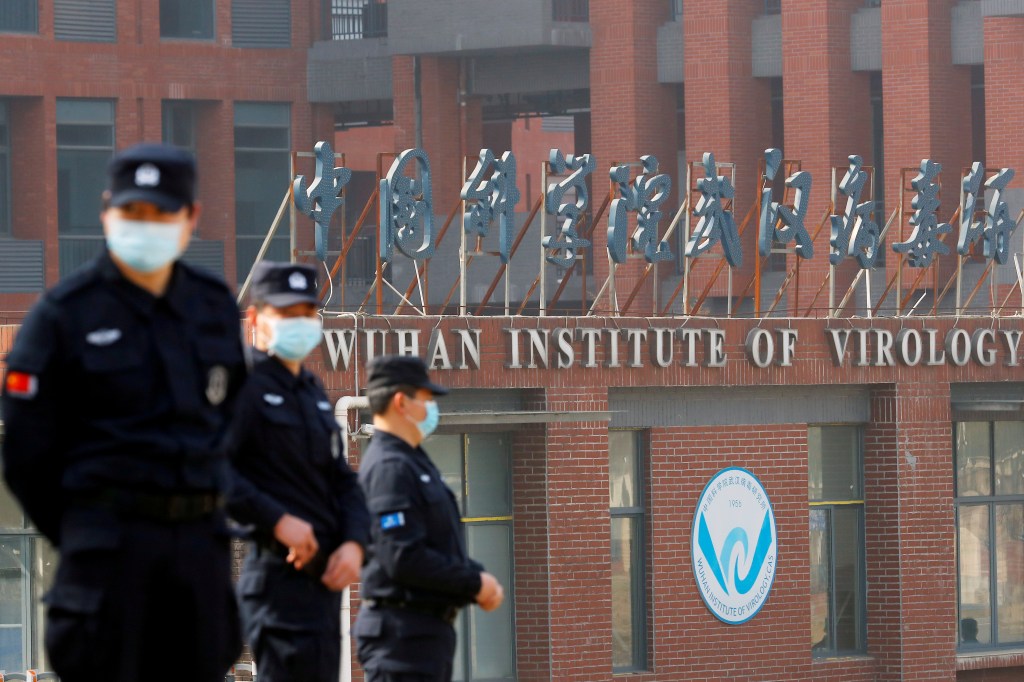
x=117, y=398
x=293, y=485
x=418, y=575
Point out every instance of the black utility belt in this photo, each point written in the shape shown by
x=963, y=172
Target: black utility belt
x=168, y=507
x=446, y=613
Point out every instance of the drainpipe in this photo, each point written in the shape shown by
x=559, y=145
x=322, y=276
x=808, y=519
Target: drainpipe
x=341, y=410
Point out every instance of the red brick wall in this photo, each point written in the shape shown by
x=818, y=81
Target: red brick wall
x=728, y=112
x=1004, y=69
x=632, y=114
x=827, y=111
x=926, y=103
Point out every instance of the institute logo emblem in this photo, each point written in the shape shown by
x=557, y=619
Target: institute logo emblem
x=734, y=545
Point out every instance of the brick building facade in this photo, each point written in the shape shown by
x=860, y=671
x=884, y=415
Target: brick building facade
x=888, y=439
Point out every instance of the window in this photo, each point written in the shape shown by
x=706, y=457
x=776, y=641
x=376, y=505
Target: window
x=190, y=19
x=85, y=143
x=476, y=468
x=836, y=498
x=629, y=598
x=989, y=464
x=179, y=124
x=27, y=567
x=262, y=180
x=676, y=8
x=773, y=6
x=358, y=19
x=5, y=173
x=19, y=16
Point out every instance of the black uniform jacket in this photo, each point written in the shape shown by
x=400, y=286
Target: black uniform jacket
x=116, y=389
x=287, y=455
x=417, y=552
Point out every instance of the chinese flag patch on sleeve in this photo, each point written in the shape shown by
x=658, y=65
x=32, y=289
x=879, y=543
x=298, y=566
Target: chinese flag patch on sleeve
x=22, y=385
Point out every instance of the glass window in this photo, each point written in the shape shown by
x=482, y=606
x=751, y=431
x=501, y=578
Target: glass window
x=5, y=173
x=192, y=19
x=477, y=469
x=990, y=532
x=179, y=124
x=85, y=143
x=27, y=567
x=836, y=501
x=262, y=180
x=19, y=16
x=629, y=606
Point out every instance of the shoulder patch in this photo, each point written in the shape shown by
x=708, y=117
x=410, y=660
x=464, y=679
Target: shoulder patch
x=21, y=385
x=392, y=520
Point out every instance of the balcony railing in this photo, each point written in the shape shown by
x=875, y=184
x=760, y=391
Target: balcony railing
x=570, y=10
x=355, y=19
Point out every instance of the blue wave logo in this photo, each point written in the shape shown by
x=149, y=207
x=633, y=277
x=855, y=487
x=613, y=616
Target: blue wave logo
x=719, y=561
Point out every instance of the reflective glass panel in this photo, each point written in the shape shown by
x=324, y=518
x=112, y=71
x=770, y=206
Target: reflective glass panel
x=820, y=540
x=624, y=553
x=1009, y=458
x=1010, y=572
x=847, y=565
x=833, y=470
x=623, y=469
x=973, y=463
x=975, y=601
x=488, y=491
x=492, y=637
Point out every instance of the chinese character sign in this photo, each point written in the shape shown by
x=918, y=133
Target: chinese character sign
x=999, y=225
x=567, y=239
x=644, y=196
x=322, y=198
x=716, y=223
x=780, y=223
x=970, y=229
x=925, y=241
x=489, y=194
x=854, y=233
x=406, y=210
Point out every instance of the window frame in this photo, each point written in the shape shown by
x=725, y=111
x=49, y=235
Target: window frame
x=990, y=503
x=637, y=515
x=201, y=39
x=464, y=623
x=830, y=506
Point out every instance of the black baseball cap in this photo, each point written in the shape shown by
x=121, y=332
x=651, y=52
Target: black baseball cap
x=284, y=284
x=154, y=173
x=389, y=371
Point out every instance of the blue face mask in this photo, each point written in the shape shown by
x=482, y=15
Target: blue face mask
x=143, y=245
x=293, y=338
x=429, y=423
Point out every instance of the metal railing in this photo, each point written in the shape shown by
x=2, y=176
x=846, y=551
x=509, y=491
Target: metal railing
x=570, y=10
x=355, y=19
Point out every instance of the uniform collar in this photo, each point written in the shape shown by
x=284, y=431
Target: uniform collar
x=176, y=295
x=279, y=372
x=387, y=438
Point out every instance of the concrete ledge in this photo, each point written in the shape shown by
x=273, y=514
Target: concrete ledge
x=1002, y=8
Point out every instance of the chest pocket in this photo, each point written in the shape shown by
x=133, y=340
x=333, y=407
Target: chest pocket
x=116, y=379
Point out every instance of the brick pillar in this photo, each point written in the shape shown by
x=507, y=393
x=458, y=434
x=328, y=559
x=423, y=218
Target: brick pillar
x=728, y=112
x=530, y=591
x=926, y=109
x=827, y=118
x=215, y=161
x=452, y=124
x=1004, y=71
x=908, y=489
x=578, y=541
x=632, y=114
x=33, y=142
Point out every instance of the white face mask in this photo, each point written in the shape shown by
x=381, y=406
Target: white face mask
x=144, y=245
x=293, y=338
